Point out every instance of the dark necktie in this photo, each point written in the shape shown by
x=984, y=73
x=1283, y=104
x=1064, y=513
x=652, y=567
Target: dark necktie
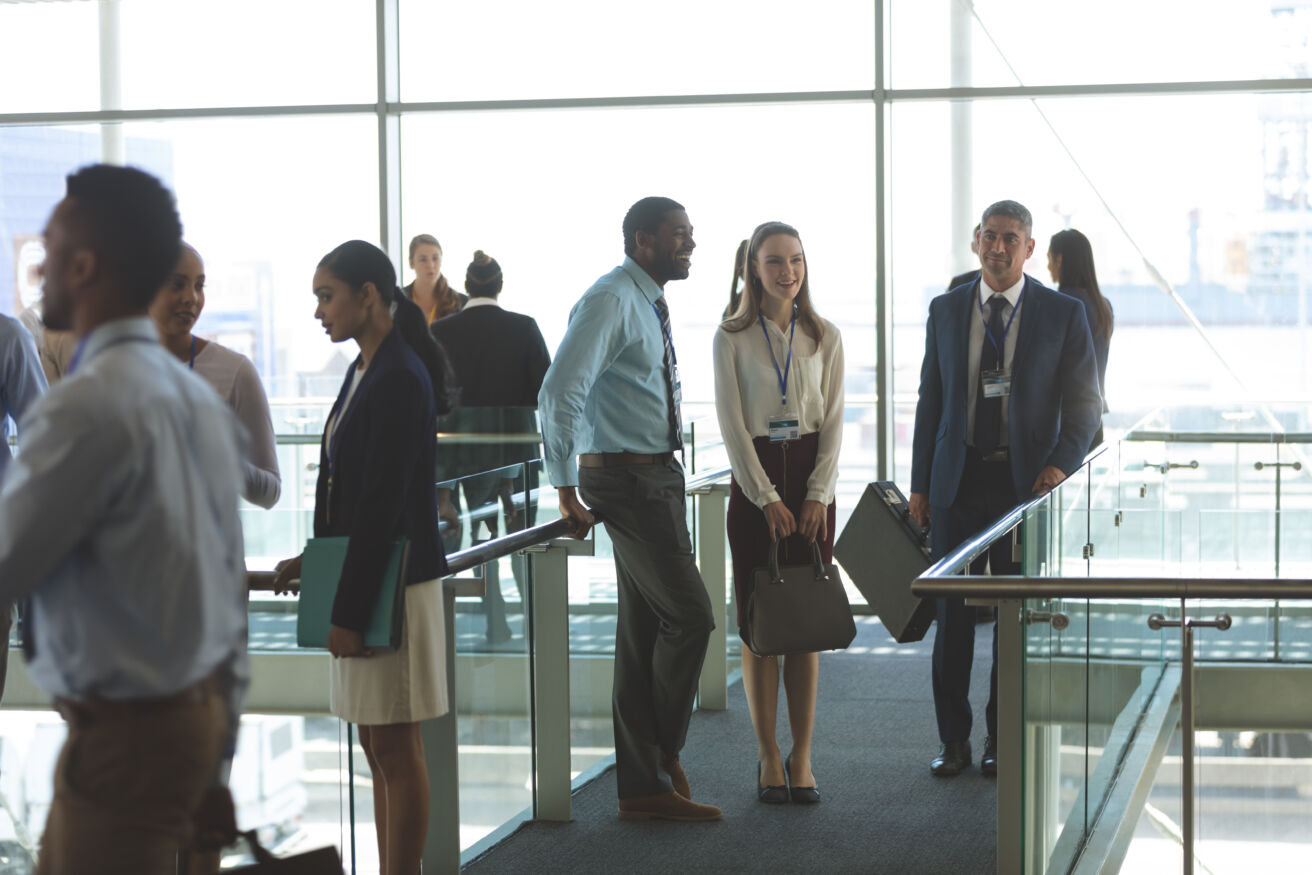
x=672, y=389
x=988, y=411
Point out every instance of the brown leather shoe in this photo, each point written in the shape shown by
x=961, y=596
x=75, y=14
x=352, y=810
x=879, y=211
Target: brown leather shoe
x=666, y=806
x=671, y=766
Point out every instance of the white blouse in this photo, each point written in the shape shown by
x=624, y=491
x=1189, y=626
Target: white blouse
x=747, y=397
x=235, y=379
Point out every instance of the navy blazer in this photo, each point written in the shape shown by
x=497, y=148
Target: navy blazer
x=1054, y=408
x=381, y=469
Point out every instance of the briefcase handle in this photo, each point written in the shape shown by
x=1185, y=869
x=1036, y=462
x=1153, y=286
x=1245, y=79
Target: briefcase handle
x=817, y=561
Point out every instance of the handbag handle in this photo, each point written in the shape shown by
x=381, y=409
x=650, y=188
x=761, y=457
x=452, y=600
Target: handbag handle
x=816, y=559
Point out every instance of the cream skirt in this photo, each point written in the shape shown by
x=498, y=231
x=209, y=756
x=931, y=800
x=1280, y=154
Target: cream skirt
x=405, y=686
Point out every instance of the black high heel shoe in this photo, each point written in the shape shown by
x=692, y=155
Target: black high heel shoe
x=800, y=795
x=776, y=795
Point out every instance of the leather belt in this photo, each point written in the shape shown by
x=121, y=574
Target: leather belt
x=82, y=712
x=1001, y=454
x=611, y=460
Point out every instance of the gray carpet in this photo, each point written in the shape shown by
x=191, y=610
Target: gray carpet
x=881, y=811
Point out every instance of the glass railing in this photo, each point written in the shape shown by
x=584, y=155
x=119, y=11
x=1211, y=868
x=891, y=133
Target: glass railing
x=530, y=644
x=1180, y=744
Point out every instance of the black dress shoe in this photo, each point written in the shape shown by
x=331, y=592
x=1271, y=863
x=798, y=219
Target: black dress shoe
x=988, y=764
x=800, y=795
x=773, y=795
x=952, y=757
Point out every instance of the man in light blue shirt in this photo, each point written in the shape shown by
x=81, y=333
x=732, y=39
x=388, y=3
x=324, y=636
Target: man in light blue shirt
x=611, y=398
x=119, y=520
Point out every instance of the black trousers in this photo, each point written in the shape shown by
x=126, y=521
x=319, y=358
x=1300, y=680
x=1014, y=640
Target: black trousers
x=986, y=492
x=664, y=617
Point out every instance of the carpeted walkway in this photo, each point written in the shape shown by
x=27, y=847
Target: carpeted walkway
x=881, y=811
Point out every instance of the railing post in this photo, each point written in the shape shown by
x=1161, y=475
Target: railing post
x=1011, y=729
x=548, y=594
x=1156, y=622
x=442, y=751
x=713, y=687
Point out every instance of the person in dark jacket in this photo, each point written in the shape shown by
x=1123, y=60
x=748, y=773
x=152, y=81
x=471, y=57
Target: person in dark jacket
x=499, y=359
x=1070, y=264
x=375, y=485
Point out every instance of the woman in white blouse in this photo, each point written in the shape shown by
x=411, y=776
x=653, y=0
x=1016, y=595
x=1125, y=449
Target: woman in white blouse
x=176, y=308
x=777, y=362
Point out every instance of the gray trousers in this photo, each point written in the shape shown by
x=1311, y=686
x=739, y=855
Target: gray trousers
x=664, y=618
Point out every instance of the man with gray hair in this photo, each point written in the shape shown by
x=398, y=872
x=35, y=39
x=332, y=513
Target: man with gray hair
x=1008, y=404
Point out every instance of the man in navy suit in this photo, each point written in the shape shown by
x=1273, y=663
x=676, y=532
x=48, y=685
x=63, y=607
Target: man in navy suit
x=1008, y=404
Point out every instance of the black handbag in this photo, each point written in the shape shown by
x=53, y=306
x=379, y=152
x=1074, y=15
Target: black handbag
x=797, y=608
x=321, y=861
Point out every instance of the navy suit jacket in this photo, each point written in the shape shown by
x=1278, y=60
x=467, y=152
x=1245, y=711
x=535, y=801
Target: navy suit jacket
x=1054, y=407
x=382, y=459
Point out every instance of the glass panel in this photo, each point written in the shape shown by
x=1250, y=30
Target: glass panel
x=493, y=698
x=169, y=55
x=595, y=48
x=286, y=781
x=1236, y=252
x=32, y=37
x=546, y=157
x=247, y=53
x=1009, y=43
x=262, y=200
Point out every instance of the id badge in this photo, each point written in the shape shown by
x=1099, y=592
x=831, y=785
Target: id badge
x=785, y=426
x=997, y=384
x=678, y=386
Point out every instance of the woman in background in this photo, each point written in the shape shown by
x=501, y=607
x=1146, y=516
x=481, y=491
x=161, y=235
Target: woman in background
x=1070, y=263
x=376, y=485
x=177, y=306
x=430, y=290
x=776, y=359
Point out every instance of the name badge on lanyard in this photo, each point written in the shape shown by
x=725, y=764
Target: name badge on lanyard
x=786, y=424
x=996, y=382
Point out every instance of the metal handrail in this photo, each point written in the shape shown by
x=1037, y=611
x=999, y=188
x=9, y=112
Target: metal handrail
x=490, y=551
x=1216, y=437
x=972, y=547
x=1014, y=587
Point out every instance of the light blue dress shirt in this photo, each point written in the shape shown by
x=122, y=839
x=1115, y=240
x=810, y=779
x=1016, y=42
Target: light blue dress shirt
x=22, y=381
x=119, y=518
x=606, y=390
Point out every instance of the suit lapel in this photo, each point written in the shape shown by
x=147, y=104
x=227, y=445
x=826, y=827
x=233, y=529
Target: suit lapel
x=1031, y=309
x=964, y=311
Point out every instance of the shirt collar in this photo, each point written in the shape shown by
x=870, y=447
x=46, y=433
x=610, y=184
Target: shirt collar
x=1012, y=294
x=116, y=331
x=480, y=302
x=642, y=279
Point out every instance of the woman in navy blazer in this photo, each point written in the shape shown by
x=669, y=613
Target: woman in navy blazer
x=1070, y=264
x=376, y=484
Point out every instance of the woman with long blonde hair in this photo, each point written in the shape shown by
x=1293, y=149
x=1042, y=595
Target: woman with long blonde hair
x=779, y=399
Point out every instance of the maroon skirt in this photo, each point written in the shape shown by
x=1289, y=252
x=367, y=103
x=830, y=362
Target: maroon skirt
x=749, y=538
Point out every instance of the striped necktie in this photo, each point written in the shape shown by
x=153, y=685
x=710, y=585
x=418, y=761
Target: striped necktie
x=988, y=411
x=671, y=374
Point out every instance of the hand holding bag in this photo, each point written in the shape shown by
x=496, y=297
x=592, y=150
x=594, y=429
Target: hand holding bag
x=798, y=608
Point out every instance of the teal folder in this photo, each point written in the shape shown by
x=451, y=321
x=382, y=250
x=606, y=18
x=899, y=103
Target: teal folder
x=321, y=570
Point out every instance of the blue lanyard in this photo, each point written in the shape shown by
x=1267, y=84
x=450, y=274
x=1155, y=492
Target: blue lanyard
x=192, y=364
x=788, y=363
x=674, y=359
x=999, y=345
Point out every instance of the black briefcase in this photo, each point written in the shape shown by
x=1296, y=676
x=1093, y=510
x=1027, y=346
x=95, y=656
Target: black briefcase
x=883, y=550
